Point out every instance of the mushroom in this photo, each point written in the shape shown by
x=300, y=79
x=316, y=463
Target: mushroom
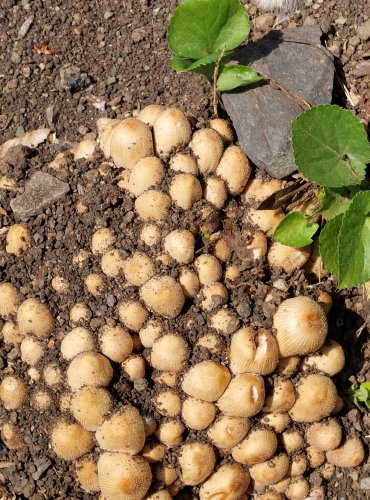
x=316, y=399
x=197, y=461
x=301, y=326
x=70, y=441
x=123, y=476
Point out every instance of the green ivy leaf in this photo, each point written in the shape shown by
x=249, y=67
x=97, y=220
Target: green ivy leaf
x=180, y=64
x=335, y=201
x=354, y=242
x=330, y=146
x=329, y=245
x=295, y=231
x=236, y=75
x=199, y=28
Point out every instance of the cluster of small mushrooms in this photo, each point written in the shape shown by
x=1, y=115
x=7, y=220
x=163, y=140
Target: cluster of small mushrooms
x=234, y=436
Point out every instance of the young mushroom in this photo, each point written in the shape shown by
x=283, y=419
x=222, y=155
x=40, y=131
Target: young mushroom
x=70, y=441
x=206, y=380
x=18, y=239
x=351, y=454
x=197, y=414
x=226, y=432
x=301, y=326
x=9, y=299
x=197, y=461
x=229, y=481
x=253, y=351
x=316, y=399
x=13, y=392
x=247, y=388
x=207, y=147
x=234, y=168
x=123, y=476
x=172, y=131
x=128, y=141
x=258, y=446
x=163, y=295
x=35, y=318
x=122, y=431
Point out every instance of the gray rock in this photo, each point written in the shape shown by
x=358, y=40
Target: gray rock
x=72, y=78
x=262, y=113
x=42, y=466
x=365, y=483
x=41, y=191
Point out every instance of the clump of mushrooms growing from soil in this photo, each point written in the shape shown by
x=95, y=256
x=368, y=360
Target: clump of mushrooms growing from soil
x=255, y=412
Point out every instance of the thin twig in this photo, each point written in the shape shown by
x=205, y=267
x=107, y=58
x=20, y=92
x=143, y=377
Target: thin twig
x=362, y=327
x=215, y=77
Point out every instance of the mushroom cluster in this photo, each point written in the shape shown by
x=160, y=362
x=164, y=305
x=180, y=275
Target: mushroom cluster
x=254, y=412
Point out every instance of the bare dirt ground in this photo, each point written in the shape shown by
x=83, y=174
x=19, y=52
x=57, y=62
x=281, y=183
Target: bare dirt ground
x=109, y=58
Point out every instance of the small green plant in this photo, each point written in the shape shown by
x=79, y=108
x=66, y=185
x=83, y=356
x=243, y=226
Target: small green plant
x=359, y=395
x=331, y=149
x=202, y=35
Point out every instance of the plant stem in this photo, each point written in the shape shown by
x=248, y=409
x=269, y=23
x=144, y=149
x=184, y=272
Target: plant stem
x=215, y=77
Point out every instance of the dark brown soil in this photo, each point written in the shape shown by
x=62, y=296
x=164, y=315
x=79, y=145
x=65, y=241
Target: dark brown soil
x=119, y=49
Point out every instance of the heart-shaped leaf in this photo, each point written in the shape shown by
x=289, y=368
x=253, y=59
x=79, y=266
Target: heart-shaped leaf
x=199, y=28
x=295, y=231
x=236, y=75
x=330, y=146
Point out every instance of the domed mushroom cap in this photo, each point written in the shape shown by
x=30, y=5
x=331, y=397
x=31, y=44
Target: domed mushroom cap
x=87, y=475
x=207, y=147
x=169, y=353
x=123, y=431
x=282, y=397
x=90, y=369
x=227, y=432
x=35, y=318
x=9, y=299
x=206, y=380
x=163, y=295
x=329, y=359
x=90, y=405
x=255, y=352
x=150, y=113
x=185, y=190
x=197, y=461
x=316, y=399
x=325, y=436
x=123, y=477
x=351, y=454
x=153, y=205
x=301, y=326
x=230, y=481
x=70, y=441
x=244, y=396
x=171, y=131
x=13, y=392
x=138, y=268
x=76, y=341
x=234, y=168
x=197, y=414
x=258, y=446
x=130, y=141
x=102, y=240
x=147, y=173
x=270, y=472
x=115, y=342
x=180, y=245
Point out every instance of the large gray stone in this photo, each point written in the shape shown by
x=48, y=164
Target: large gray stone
x=262, y=113
x=41, y=191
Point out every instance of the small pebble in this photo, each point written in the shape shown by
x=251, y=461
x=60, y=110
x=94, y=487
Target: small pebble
x=108, y=14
